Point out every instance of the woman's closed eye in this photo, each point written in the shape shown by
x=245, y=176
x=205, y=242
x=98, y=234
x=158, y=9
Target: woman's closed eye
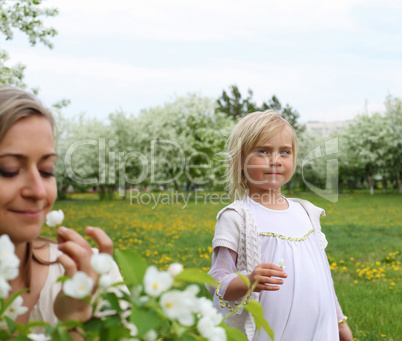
x=8, y=174
x=47, y=174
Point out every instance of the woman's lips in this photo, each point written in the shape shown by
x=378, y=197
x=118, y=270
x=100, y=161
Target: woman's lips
x=28, y=213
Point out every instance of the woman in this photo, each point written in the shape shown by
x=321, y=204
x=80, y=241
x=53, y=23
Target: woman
x=28, y=192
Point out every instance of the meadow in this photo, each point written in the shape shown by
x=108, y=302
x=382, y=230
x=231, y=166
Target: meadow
x=364, y=234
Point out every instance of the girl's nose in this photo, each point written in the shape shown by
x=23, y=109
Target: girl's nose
x=34, y=186
x=275, y=159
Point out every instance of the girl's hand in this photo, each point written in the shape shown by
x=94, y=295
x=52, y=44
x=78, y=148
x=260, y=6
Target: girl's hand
x=76, y=256
x=345, y=334
x=264, y=274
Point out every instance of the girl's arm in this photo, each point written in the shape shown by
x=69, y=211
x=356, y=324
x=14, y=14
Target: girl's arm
x=232, y=287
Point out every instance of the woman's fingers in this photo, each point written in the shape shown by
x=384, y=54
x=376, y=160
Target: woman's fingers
x=68, y=264
x=65, y=234
x=105, y=244
x=78, y=251
x=81, y=256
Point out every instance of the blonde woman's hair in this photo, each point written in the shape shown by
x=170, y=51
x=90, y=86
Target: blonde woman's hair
x=16, y=104
x=251, y=131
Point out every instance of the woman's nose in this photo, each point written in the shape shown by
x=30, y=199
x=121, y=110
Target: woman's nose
x=34, y=186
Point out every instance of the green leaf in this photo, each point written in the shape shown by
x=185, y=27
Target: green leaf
x=196, y=276
x=6, y=303
x=113, y=301
x=256, y=310
x=93, y=324
x=4, y=335
x=62, y=279
x=10, y=324
x=245, y=279
x=111, y=321
x=132, y=265
x=184, y=337
x=234, y=334
x=144, y=320
x=21, y=338
x=61, y=334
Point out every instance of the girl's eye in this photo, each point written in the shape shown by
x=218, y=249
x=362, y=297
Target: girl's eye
x=6, y=174
x=261, y=151
x=285, y=152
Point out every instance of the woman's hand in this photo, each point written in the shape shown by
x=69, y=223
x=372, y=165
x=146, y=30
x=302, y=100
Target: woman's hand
x=345, y=334
x=76, y=256
x=265, y=274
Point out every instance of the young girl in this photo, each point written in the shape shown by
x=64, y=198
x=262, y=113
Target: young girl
x=28, y=191
x=275, y=241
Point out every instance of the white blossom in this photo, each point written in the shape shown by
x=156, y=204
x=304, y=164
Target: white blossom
x=125, y=315
x=156, y=282
x=79, y=286
x=4, y=287
x=9, y=264
x=175, y=268
x=105, y=281
x=281, y=263
x=39, y=337
x=207, y=328
x=150, y=335
x=206, y=309
x=54, y=218
x=15, y=308
x=102, y=263
x=181, y=305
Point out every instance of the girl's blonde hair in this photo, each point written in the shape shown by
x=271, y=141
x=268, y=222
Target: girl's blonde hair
x=251, y=131
x=16, y=104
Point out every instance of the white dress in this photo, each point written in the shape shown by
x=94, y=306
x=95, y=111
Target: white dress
x=305, y=307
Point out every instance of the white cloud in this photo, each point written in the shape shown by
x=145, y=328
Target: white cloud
x=299, y=50
x=208, y=20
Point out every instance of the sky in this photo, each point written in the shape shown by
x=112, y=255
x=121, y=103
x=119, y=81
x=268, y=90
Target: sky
x=330, y=60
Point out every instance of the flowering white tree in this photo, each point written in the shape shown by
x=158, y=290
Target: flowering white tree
x=26, y=16
x=393, y=114
x=181, y=139
x=366, y=145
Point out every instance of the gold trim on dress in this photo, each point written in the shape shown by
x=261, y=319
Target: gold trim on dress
x=223, y=302
x=269, y=234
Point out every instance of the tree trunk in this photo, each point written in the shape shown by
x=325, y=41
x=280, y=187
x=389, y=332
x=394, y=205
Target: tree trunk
x=370, y=180
x=384, y=184
x=400, y=184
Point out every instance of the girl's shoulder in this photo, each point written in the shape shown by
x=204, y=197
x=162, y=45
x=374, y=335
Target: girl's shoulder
x=236, y=209
x=309, y=207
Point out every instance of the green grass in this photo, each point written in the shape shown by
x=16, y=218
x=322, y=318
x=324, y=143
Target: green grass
x=364, y=234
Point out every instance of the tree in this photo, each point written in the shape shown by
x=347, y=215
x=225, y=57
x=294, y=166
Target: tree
x=25, y=16
x=366, y=145
x=288, y=113
x=393, y=114
x=233, y=105
x=181, y=140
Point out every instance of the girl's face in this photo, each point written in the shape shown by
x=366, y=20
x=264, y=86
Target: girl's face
x=269, y=165
x=28, y=186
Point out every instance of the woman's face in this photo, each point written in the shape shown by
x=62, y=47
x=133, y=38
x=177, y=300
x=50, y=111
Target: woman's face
x=27, y=183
